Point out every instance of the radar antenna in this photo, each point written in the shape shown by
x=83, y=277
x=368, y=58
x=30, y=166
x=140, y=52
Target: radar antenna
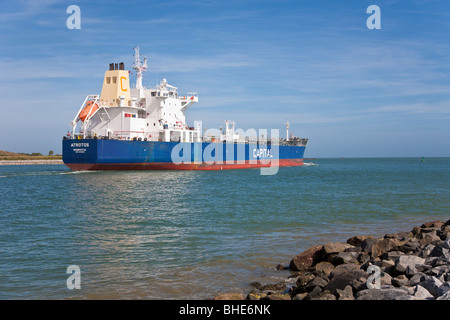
x=140, y=68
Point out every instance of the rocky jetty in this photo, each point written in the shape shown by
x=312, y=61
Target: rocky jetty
x=27, y=162
x=412, y=265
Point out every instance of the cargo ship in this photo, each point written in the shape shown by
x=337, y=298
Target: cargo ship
x=140, y=128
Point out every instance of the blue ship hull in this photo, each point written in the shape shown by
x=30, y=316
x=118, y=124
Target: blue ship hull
x=97, y=154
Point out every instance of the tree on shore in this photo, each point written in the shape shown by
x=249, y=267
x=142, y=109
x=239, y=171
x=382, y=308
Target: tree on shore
x=50, y=153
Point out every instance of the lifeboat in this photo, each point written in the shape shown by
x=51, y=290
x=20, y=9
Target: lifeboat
x=88, y=110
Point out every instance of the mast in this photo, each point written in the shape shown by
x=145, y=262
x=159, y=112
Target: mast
x=287, y=130
x=140, y=68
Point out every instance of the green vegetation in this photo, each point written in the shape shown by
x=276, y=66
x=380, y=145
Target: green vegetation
x=6, y=155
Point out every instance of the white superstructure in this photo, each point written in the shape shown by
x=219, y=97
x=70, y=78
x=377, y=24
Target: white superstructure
x=151, y=114
x=121, y=112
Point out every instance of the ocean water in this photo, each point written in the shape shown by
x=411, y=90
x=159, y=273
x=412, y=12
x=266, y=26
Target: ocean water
x=195, y=234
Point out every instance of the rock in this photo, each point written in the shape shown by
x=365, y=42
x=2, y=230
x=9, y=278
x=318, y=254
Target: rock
x=382, y=246
x=438, y=261
x=444, y=277
x=359, y=284
x=353, y=269
x=409, y=290
x=325, y=296
x=306, y=259
x=363, y=257
x=432, y=224
x=427, y=238
x=340, y=283
x=280, y=286
x=439, y=271
x=425, y=252
x=277, y=296
x=314, y=294
x=445, y=288
x=429, y=230
x=404, y=261
x=316, y=282
x=413, y=266
x=400, y=281
x=366, y=245
x=302, y=280
x=343, y=277
x=447, y=243
x=343, y=257
x=255, y=296
x=439, y=243
x=416, y=231
x=401, y=236
x=439, y=252
x=417, y=278
x=410, y=246
x=432, y=261
x=353, y=249
x=345, y=294
x=229, y=296
x=335, y=247
x=410, y=270
x=432, y=284
x=445, y=296
x=444, y=233
x=300, y=296
x=385, y=279
x=387, y=265
x=324, y=268
x=383, y=294
x=392, y=255
x=357, y=240
x=422, y=293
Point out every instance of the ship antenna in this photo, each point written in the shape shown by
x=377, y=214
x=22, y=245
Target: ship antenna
x=287, y=130
x=140, y=68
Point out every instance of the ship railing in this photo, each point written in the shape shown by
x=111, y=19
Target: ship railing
x=301, y=142
x=128, y=135
x=190, y=96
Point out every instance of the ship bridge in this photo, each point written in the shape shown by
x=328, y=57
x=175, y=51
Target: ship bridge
x=136, y=113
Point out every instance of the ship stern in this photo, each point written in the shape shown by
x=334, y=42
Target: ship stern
x=80, y=154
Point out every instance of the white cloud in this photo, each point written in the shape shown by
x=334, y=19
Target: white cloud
x=25, y=9
x=417, y=108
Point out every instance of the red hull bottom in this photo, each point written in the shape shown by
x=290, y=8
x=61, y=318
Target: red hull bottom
x=182, y=166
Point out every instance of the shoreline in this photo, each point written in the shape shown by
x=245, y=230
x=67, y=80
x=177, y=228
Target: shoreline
x=409, y=265
x=28, y=162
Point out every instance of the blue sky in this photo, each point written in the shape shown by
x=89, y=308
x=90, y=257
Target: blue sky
x=352, y=91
